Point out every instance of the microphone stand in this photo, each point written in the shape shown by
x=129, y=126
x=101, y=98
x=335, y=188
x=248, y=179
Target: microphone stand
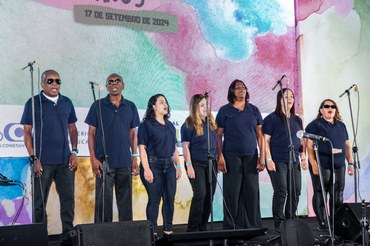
x=326, y=210
x=104, y=159
x=33, y=160
x=356, y=158
x=292, y=158
x=210, y=164
x=93, y=90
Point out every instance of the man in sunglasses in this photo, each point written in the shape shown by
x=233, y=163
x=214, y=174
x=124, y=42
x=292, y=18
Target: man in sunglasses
x=112, y=133
x=52, y=158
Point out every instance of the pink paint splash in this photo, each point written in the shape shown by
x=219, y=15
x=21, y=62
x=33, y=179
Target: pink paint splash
x=68, y=4
x=305, y=8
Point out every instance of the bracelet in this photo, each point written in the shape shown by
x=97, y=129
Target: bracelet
x=350, y=164
x=135, y=155
x=178, y=166
x=267, y=160
x=189, y=163
x=33, y=158
x=74, y=152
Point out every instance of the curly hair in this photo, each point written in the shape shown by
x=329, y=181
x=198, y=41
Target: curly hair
x=337, y=114
x=149, y=113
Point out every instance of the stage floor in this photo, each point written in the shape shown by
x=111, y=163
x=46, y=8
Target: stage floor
x=270, y=237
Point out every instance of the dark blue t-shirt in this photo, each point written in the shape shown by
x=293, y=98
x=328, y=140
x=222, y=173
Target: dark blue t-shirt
x=160, y=140
x=275, y=126
x=198, y=145
x=239, y=126
x=337, y=133
x=117, y=122
x=55, y=120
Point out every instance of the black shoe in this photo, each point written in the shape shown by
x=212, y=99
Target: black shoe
x=322, y=227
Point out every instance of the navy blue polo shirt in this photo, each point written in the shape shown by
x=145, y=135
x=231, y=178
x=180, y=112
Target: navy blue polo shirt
x=117, y=122
x=275, y=126
x=54, y=133
x=160, y=140
x=240, y=134
x=338, y=135
x=198, y=145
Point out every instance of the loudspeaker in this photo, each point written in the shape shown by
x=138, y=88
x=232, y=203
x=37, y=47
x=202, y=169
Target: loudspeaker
x=296, y=232
x=203, y=237
x=347, y=222
x=135, y=233
x=20, y=235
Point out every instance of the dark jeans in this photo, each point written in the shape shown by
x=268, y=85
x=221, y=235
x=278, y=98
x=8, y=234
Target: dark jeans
x=241, y=192
x=200, y=208
x=163, y=186
x=318, y=200
x=65, y=186
x=280, y=183
x=121, y=179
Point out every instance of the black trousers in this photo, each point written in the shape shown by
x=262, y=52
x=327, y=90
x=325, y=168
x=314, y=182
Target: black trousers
x=121, y=179
x=241, y=192
x=281, y=209
x=317, y=199
x=64, y=184
x=200, y=208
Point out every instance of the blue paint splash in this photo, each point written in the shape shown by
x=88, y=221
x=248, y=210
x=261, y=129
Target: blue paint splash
x=232, y=34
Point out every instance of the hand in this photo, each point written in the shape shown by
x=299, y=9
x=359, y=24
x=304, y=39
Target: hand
x=178, y=173
x=148, y=175
x=134, y=167
x=350, y=171
x=221, y=165
x=191, y=172
x=38, y=168
x=271, y=166
x=260, y=165
x=96, y=166
x=315, y=168
x=72, y=162
x=304, y=164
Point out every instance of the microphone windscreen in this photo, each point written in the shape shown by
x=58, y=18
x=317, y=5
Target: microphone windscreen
x=300, y=134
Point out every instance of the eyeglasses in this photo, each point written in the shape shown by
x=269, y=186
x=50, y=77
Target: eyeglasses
x=50, y=81
x=329, y=106
x=111, y=81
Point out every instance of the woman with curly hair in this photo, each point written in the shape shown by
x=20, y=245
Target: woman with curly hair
x=159, y=158
x=328, y=123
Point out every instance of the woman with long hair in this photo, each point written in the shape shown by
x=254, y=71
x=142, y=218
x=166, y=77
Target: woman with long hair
x=159, y=158
x=195, y=142
x=328, y=123
x=278, y=156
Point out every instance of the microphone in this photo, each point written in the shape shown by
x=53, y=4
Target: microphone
x=279, y=82
x=348, y=90
x=302, y=134
x=93, y=83
x=29, y=65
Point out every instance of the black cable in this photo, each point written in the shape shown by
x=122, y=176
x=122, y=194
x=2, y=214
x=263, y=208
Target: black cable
x=18, y=183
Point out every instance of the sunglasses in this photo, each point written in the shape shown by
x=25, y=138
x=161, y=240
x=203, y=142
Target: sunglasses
x=111, y=81
x=329, y=106
x=50, y=81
